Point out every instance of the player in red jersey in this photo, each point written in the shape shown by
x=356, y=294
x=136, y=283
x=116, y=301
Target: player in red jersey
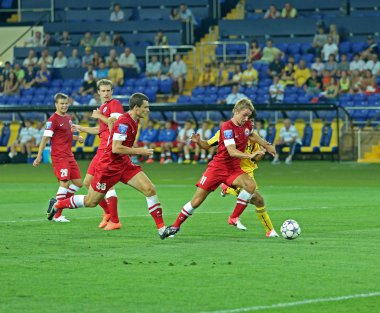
x=225, y=167
x=110, y=109
x=58, y=130
x=115, y=165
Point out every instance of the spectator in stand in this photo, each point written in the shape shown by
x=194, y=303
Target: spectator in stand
x=38, y=134
x=111, y=58
x=237, y=76
x=90, y=69
x=148, y=138
x=205, y=134
x=103, y=40
x=329, y=48
x=318, y=65
x=372, y=48
x=259, y=126
x=272, y=12
x=30, y=77
x=153, y=69
x=250, y=76
x=319, y=40
x=60, y=61
x=255, y=51
x=343, y=65
x=129, y=60
x=11, y=85
x=65, y=39
x=326, y=77
x=87, y=40
x=49, y=41
x=96, y=59
x=7, y=69
x=288, y=11
x=184, y=143
x=87, y=58
x=313, y=84
x=222, y=76
x=118, y=40
x=186, y=15
x=234, y=96
x=276, y=91
x=287, y=76
x=30, y=59
x=333, y=32
x=368, y=83
x=117, y=14
x=344, y=83
x=167, y=137
x=43, y=76
x=2, y=84
x=88, y=86
x=160, y=39
x=289, y=137
x=102, y=71
x=74, y=61
x=301, y=74
x=165, y=68
x=373, y=64
x=207, y=77
x=331, y=66
x=20, y=73
x=35, y=41
x=174, y=14
x=46, y=58
x=269, y=52
x=178, y=73
x=357, y=64
x=356, y=82
x=23, y=141
x=331, y=91
x=95, y=101
x=116, y=74
x=275, y=68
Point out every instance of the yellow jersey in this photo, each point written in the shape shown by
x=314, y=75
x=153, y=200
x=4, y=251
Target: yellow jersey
x=247, y=165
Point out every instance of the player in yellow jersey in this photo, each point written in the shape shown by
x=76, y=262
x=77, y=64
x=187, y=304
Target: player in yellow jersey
x=247, y=166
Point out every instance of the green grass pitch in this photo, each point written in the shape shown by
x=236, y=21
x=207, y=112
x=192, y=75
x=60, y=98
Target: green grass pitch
x=209, y=266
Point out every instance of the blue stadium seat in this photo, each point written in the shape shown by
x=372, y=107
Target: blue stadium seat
x=182, y=99
x=326, y=136
x=271, y=133
x=166, y=86
x=198, y=91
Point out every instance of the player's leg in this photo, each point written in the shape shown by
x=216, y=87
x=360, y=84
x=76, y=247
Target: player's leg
x=111, y=199
x=61, y=194
x=258, y=201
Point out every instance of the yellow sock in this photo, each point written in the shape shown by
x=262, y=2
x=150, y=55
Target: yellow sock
x=232, y=191
x=264, y=218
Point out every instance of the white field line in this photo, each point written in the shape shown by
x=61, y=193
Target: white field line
x=297, y=303
x=42, y=219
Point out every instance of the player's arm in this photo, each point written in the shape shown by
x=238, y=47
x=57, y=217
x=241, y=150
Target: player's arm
x=196, y=138
x=235, y=153
x=118, y=148
x=41, y=148
x=79, y=138
x=265, y=144
x=88, y=130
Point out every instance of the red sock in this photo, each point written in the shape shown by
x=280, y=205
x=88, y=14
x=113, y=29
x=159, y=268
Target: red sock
x=61, y=194
x=70, y=203
x=239, y=208
x=186, y=212
x=155, y=210
x=104, y=205
x=112, y=207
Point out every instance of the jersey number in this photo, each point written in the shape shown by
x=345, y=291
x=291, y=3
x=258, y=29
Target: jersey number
x=203, y=180
x=64, y=172
x=100, y=186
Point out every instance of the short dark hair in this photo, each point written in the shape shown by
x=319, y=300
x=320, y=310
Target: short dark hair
x=59, y=96
x=137, y=99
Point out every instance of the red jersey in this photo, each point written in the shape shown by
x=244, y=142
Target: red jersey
x=112, y=108
x=59, y=129
x=125, y=129
x=232, y=134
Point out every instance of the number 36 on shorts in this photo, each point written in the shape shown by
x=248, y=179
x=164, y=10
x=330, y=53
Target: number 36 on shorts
x=101, y=186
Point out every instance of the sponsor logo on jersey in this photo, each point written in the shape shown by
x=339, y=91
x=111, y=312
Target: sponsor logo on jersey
x=48, y=125
x=246, y=131
x=105, y=109
x=228, y=134
x=123, y=128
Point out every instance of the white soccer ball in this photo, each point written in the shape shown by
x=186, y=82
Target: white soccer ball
x=290, y=229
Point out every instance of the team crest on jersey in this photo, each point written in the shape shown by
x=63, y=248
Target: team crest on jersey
x=228, y=134
x=71, y=122
x=246, y=131
x=48, y=125
x=123, y=128
x=105, y=109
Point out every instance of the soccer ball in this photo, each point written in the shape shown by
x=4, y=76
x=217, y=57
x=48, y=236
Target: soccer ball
x=290, y=229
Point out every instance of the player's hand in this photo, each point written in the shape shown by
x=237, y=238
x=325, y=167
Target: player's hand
x=80, y=139
x=258, y=158
x=96, y=113
x=271, y=150
x=75, y=128
x=148, y=152
x=37, y=161
x=196, y=138
x=257, y=154
x=111, y=122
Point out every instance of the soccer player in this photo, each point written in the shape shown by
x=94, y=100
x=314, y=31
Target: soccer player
x=225, y=167
x=115, y=165
x=110, y=110
x=247, y=165
x=58, y=130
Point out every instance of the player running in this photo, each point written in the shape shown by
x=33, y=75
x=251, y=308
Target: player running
x=58, y=130
x=225, y=167
x=111, y=109
x=115, y=165
x=247, y=165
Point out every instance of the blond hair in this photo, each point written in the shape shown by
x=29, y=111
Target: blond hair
x=243, y=104
x=104, y=82
x=59, y=96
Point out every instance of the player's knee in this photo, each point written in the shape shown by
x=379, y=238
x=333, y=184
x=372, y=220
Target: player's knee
x=250, y=187
x=150, y=190
x=89, y=203
x=258, y=200
x=79, y=184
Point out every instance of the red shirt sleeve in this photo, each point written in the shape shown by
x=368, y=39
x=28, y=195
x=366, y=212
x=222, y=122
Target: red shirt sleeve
x=116, y=107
